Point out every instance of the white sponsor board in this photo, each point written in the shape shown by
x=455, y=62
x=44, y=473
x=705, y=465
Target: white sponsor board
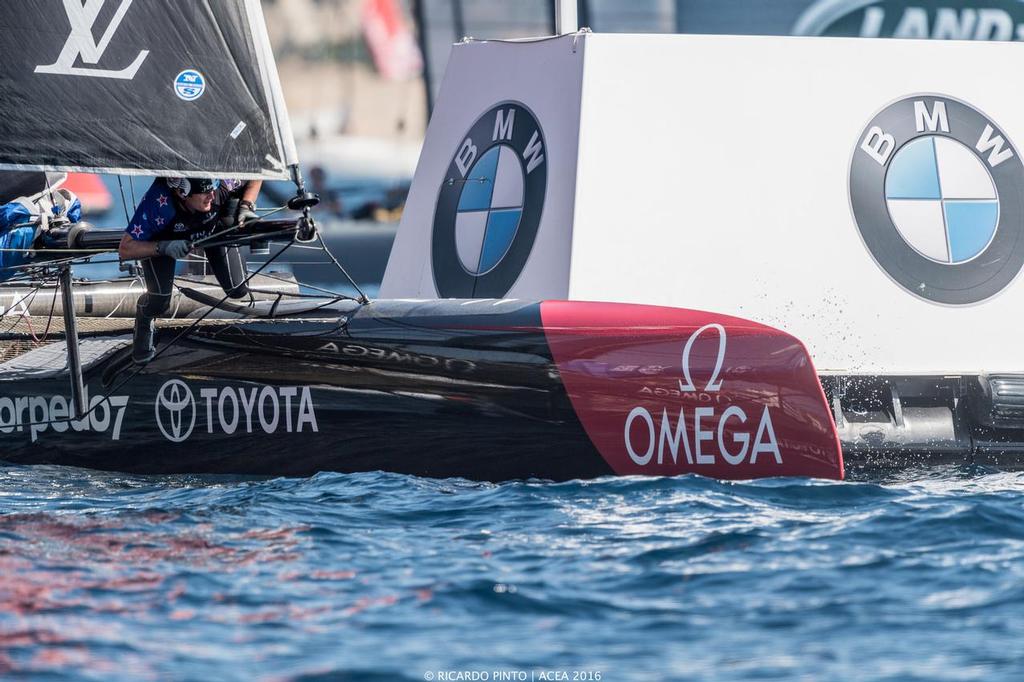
x=545, y=77
x=716, y=172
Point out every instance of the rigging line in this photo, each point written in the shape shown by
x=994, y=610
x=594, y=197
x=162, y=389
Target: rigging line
x=97, y=262
x=49, y=318
x=29, y=267
x=19, y=301
x=312, y=297
x=271, y=211
x=60, y=250
x=126, y=294
x=309, y=286
x=49, y=190
x=31, y=331
x=541, y=39
x=298, y=246
x=124, y=202
x=235, y=228
x=269, y=275
x=105, y=398
x=219, y=233
x=318, y=263
x=177, y=303
x=246, y=239
x=362, y=297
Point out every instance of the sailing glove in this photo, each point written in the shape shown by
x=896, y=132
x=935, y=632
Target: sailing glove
x=237, y=212
x=246, y=212
x=176, y=248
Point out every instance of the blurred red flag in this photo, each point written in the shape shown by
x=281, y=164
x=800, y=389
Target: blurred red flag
x=91, y=191
x=391, y=43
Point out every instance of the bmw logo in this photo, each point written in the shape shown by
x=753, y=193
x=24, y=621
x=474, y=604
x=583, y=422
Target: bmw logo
x=937, y=191
x=189, y=85
x=489, y=205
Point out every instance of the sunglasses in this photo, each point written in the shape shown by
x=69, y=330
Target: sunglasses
x=204, y=188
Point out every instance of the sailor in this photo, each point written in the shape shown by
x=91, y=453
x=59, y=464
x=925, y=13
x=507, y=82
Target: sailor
x=175, y=213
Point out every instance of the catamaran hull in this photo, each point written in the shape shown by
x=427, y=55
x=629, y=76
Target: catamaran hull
x=483, y=389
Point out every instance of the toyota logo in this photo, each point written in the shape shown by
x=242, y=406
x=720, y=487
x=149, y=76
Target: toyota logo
x=175, y=409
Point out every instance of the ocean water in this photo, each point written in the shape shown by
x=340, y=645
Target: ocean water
x=380, y=576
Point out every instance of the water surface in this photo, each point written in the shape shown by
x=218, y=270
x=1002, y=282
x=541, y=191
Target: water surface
x=382, y=576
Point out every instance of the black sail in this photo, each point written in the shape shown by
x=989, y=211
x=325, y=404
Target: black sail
x=149, y=87
x=16, y=184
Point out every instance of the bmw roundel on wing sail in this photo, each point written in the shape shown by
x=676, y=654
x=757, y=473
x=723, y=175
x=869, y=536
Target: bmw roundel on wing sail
x=489, y=205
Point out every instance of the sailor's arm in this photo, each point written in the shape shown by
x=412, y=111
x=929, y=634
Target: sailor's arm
x=238, y=204
x=152, y=212
x=133, y=249
x=252, y=191
x=247, y=202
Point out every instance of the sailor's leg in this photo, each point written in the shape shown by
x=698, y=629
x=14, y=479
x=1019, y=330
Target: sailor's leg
x=229, y=268
x=159, y=274
x=143, y=349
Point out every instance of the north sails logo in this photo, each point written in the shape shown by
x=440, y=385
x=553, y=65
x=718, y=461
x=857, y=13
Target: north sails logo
x=189, y=85
x=936, y=191
x=82, y=45
x=489, y=206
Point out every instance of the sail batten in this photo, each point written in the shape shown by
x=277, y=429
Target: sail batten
x=141, y=87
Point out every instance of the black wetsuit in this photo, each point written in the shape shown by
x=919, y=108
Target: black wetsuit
x=160, y=216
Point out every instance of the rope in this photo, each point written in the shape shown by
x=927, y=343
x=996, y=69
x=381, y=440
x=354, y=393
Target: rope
x=33, y=292
x=48, y=250
x=105, y=398
x=114, y=310
x=135, y=372
x=124, y=202
x=309, y=286
x=49, y=318
x=363, y=298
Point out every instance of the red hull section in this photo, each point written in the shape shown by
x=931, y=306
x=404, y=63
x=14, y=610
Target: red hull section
x=664, y=391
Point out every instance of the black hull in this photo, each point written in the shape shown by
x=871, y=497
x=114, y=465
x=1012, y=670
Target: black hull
x=498, y=416
x=354, y=432
x=440, y=389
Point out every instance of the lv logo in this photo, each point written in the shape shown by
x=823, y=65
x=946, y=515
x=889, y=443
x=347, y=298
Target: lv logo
x=82, y=43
